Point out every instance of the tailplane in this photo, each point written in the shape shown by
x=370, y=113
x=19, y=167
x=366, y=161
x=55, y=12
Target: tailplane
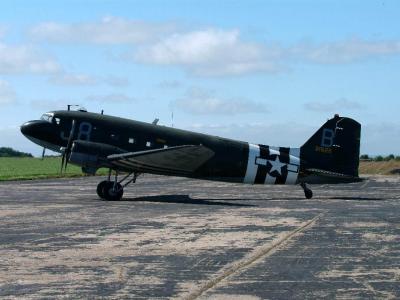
x=334, y=148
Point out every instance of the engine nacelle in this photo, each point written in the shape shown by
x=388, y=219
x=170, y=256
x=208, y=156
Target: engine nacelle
x=92, y=156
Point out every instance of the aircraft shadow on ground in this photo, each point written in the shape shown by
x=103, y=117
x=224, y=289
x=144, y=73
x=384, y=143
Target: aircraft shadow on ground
x=357, y=198
x=186, y=199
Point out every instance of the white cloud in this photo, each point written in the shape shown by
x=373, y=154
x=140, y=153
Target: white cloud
x=209, y=52
x=71, y=79
x=51, y=104
x=80, y=79
x=333, y=106
x=345, y=51
x=116, y=81
x=202, y=102
x=109, y=30
x=111, y=98
x=25, y=59
x=7, y=93
x=170, y=84
x=214, y=52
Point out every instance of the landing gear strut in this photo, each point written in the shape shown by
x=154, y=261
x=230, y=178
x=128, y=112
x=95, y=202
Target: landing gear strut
x=307, y=192
x=113, y=190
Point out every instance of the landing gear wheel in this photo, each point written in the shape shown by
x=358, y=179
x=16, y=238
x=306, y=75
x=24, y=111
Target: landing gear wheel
x=110, y=193
x=307, y=192
x=100, y=187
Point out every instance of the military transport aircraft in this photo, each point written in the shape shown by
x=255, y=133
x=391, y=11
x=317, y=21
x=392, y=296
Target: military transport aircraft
x=94, y=141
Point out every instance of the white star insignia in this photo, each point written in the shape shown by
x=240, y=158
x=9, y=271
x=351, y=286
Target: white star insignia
x=276, y=165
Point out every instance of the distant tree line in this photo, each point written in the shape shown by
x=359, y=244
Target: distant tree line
x=380, y=157
x=10, y=152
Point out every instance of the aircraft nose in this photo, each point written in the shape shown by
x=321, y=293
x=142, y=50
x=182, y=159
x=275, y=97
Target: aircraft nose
x=33, y=128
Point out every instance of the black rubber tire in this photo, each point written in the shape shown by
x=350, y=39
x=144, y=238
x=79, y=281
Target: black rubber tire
x=108, y=191
x=100, y=187
x=308, y=193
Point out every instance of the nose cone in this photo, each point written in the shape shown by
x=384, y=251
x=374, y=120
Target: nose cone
x=25, y=128
x=35, y=128
x=29, y=128
x=43, y=133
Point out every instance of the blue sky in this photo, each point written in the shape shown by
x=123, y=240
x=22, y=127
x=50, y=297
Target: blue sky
x=262, y=71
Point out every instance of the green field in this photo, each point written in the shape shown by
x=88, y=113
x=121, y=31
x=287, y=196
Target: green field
x=17, y=168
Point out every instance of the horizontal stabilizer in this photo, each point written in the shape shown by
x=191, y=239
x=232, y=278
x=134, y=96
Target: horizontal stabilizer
x=334, y=175
x=180, y=160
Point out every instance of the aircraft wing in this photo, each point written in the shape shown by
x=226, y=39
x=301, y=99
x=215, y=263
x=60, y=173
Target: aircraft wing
x=176, y=160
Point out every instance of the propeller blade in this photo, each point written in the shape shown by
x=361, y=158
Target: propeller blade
x=67, y=150
x=62, y=162
x=44, y=150
x=66, y=162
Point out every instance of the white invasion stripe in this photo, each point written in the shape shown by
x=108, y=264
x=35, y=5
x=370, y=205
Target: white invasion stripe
x=269, y=179
x=261, y=161
x=251, y=170
x=294, y=152
x=294, y=166
x=274, y=151
x=291, y=178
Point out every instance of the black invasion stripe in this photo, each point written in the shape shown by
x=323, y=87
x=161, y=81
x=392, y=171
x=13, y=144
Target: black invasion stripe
x=262, y=170
x=283, y=157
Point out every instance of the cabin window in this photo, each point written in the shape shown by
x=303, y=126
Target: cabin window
x=57, y=120
x=131, y=141
x=148, y=144
x=114, y=137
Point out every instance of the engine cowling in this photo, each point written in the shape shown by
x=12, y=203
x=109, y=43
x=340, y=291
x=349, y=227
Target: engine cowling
x=92, y=156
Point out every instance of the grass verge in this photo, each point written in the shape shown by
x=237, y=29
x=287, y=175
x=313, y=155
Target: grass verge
x=24, y=168
x=390, y=167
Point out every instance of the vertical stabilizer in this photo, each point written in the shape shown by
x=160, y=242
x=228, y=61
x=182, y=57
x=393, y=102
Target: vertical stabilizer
x=335, y=147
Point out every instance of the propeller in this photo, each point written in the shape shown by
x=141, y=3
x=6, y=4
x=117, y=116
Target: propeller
x=43, y=152
x=67, y=150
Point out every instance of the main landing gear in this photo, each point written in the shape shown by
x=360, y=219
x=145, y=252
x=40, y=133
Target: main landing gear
x=113, y=190
x=307, y=192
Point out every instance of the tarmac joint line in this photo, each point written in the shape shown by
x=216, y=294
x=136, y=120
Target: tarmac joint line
x=241, y=264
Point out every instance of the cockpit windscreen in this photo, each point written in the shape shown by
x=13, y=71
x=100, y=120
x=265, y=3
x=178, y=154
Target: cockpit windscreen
x=47, y=117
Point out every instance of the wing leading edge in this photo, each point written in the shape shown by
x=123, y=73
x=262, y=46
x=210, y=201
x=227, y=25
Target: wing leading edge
x=181, y=160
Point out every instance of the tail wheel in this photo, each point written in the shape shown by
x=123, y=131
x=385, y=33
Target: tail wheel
x=111, y=192
x=308, y=193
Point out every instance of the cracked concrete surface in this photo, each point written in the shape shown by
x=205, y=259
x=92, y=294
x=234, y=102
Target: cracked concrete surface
x=185, y=239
